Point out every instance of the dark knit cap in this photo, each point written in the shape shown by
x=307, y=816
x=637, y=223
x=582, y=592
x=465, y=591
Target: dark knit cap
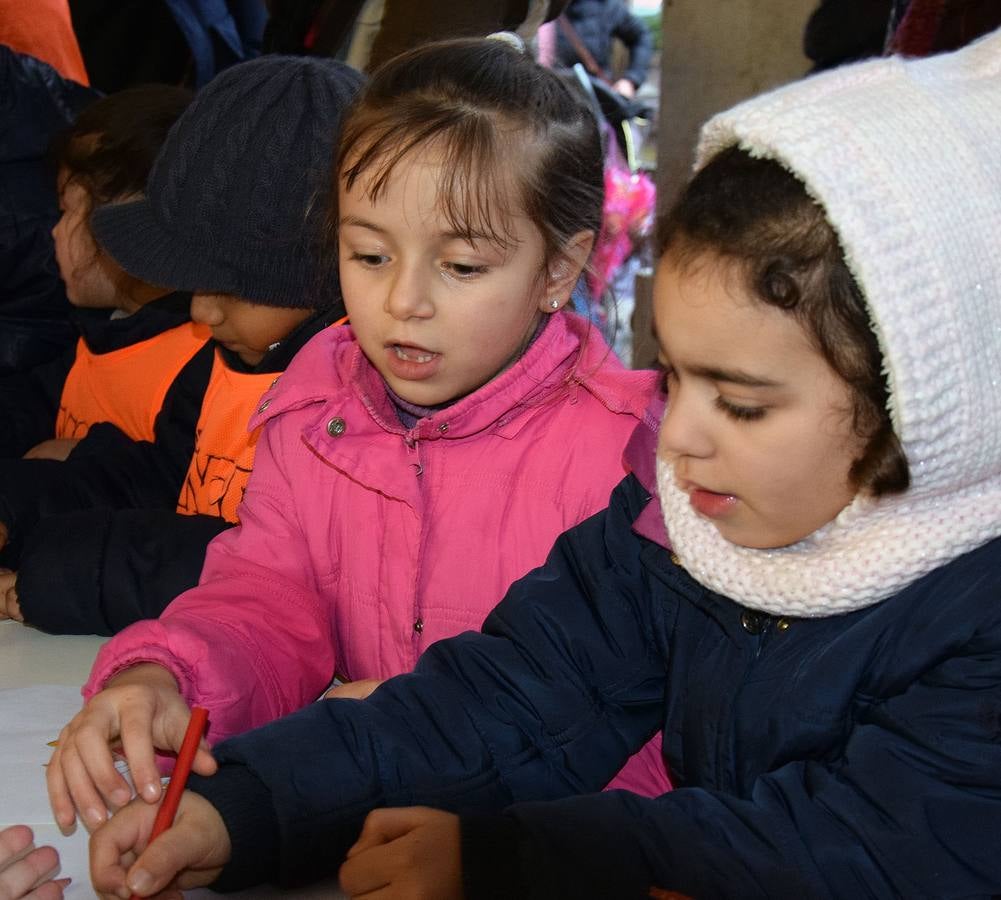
x=237, y=199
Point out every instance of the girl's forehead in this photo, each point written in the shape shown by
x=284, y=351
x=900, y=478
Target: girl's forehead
x=471, y=201
x=703, y=307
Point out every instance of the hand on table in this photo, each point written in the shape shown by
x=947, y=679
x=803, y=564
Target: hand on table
x=409, y=852
x=27, y=871
x=143, y=708
x=9, y=607
x=189, y=854
x=55, y=448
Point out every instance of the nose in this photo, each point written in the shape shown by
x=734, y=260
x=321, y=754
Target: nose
x=684, y=429
x=409, y=295
x=206, y=309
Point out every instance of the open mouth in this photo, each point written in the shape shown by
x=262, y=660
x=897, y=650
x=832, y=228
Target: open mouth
x=711, y=503
x=413, y=354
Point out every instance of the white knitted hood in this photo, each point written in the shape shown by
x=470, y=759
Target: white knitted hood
x=905, y=156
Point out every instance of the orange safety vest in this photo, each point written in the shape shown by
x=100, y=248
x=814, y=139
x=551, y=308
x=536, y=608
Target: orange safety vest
x=224, y=448
x=43, y=29
x=125, y=387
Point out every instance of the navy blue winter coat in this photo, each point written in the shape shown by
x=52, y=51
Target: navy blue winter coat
x=850, y=756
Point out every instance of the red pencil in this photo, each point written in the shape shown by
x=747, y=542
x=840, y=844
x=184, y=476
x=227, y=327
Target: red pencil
x=182, y=769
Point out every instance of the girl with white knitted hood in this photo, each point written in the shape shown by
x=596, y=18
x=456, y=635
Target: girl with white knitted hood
x=809, y=615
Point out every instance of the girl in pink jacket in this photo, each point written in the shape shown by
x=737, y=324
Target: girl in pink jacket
x=413, y=464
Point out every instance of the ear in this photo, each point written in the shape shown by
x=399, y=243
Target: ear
x=563, y=271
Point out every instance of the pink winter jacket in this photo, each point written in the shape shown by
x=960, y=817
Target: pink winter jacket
x=361, y=542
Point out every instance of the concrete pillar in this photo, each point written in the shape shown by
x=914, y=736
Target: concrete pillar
x=715, y=53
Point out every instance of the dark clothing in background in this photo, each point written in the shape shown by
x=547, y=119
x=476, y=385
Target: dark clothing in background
x=36, y=103
x=129, y=42
x=597, y=23
x=840, y=31
x=107, y=548
x=402, y=30
x=921, y=27
x=29, y=401
x=326, y=27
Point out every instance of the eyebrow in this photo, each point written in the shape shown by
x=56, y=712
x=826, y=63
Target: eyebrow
x=445, y=235
x=361, y=223
x=732, y=376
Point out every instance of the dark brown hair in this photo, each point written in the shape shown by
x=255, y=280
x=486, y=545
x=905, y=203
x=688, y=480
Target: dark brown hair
x=110, y=148
x=498, y=120
x=756, y=213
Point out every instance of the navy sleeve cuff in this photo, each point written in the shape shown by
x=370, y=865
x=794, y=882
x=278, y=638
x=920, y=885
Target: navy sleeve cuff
x=490, y=858
x=244, y=803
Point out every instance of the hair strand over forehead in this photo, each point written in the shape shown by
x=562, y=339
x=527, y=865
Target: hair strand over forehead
x=511, y=139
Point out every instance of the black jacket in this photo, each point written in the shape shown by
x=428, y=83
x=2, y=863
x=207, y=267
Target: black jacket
x=35, y=104
x=597, y=22
x=108, y=547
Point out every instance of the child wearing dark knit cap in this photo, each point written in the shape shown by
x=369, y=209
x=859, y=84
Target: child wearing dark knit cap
x=233, y=213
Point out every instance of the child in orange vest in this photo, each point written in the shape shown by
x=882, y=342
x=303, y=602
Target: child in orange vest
x=234, y=213
x=124, y=322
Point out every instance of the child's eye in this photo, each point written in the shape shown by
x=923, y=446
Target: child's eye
x=741, y=413
x=372, y=260
x=462, y=271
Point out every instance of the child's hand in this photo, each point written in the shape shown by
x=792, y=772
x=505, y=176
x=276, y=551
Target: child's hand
x=189, y=854
x=143, y=708
x=355, y=690
x=410, y=852
x=27, y=871
x=55, y=448
x=9, y=607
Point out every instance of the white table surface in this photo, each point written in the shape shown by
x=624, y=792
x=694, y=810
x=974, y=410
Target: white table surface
x=41, y=674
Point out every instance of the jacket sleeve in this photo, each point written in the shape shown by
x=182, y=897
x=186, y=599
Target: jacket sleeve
x=253, y=641
x=564, y=683
x=636, y=36
x=29, y=402
x=908, y=807
x=97, y=571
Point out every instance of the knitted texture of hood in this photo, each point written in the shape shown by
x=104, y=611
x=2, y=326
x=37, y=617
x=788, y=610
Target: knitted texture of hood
x=236, y=202
x=904, y=157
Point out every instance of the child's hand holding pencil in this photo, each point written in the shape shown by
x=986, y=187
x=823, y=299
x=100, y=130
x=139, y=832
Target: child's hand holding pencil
x=187, y=856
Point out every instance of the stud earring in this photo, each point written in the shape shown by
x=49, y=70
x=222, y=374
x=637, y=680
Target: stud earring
x=554, y=304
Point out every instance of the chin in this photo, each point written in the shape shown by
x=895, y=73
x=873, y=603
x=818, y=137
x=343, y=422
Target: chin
x=757, y=539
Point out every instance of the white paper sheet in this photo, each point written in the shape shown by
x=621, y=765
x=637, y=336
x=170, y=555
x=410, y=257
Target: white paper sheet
x=30, y=717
